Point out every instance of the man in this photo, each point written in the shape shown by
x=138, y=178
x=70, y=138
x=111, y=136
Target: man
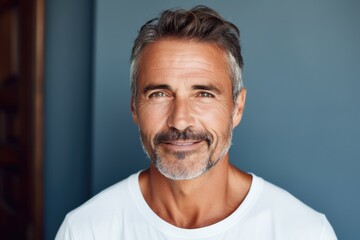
x=187, y=97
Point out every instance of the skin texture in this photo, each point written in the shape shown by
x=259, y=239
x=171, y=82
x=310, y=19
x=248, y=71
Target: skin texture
x=185, y=112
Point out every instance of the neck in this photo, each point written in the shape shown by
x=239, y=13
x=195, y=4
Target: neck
x=199, y=202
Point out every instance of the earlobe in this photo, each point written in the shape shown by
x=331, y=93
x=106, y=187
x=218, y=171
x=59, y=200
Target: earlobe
x=239, y=107
x=133, y=111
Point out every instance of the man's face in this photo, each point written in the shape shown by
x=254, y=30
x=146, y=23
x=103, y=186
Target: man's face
x=184, y=106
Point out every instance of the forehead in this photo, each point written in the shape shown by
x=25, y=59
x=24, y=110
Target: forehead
x=171, y=58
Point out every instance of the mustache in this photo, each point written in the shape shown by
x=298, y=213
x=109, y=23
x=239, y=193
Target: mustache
x=174, y=134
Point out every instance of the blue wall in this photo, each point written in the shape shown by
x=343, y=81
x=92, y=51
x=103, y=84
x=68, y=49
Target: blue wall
x=68, y=94
x=301, y=125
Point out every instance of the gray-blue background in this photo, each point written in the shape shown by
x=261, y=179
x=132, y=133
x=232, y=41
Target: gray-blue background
x=301, y=125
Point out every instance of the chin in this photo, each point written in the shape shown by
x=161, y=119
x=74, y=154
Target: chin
x=182, y=172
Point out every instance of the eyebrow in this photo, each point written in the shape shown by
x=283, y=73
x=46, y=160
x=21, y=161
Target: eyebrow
x=151, y=87
x=209, y=87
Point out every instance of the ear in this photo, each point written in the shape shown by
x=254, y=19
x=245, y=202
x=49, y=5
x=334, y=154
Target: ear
x=133, y=111
x=239, y=107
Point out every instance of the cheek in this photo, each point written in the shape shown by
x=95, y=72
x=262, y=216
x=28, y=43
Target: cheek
x=151, y=117
x=215, y=114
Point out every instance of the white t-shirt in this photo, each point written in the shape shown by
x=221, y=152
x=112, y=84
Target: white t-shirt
x=267, y=213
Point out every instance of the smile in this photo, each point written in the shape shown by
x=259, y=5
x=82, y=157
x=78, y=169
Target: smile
x=182, y=145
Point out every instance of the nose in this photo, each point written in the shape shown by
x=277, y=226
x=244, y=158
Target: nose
x=181, y=116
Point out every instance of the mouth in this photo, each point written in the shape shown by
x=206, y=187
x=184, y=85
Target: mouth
x=182, y=145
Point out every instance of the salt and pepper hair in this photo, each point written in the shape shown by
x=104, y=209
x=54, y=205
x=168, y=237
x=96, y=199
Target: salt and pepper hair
x=200, y=24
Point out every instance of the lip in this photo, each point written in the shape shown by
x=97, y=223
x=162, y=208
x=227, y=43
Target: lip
x=182, y=145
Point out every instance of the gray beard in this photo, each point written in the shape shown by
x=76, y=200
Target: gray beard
x=182, y=174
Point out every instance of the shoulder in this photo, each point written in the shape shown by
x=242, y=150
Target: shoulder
x=282, y=202
x=101, y=211
x=109, y=200
x=288, y=214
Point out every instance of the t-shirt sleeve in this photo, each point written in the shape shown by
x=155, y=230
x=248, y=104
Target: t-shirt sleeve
x=64, y=232
x=328, y=232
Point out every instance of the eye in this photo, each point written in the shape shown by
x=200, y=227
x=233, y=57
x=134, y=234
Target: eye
x=206, y=95
x=157, y=95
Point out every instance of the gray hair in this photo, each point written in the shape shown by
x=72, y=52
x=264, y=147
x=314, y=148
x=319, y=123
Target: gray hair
x=202, y=24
